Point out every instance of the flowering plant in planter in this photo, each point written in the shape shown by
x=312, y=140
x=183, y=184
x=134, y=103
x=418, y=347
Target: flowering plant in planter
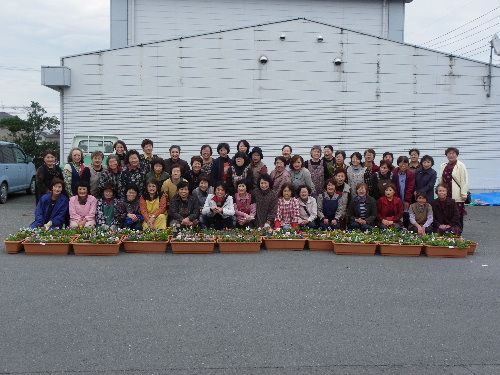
x=356, y=236
x=190, y=235
x=402, y=237
x=51, y=236
x=150, y=235
x=284, y=234
x=21, y=234
x=238, y=235
x=318, y=234
x=98, y=236
x=449, y=241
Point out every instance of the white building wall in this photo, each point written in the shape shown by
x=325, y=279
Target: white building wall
x=152, y=20
x=213, y=88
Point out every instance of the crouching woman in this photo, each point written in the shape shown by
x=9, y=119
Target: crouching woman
x=153, y=205
x=184, y=208
x=218, y=211
x=107, y=208
x=362, y=210
x=129, y=212
x=52, y=208
x=82, y=207
x=390, y=209
x=445, y=211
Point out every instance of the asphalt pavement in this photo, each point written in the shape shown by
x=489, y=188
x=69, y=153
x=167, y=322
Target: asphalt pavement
x=268, y=313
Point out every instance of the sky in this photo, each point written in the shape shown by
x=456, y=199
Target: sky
x=35, y=33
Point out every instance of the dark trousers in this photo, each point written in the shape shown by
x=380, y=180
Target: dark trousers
x=218, y=222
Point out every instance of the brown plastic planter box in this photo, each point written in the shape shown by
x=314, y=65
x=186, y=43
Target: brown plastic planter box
x=192, y=247
x=239, y=247
x=354, y=248
x=320, y=245
x=13, y=247
x=145, y=246
x=285, y=244
x=445, y=252
x=400, y=250
x=31, y=248
x=85, y=248
x=472, y=249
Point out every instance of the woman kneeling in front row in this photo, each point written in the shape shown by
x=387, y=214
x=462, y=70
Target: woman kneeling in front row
x=52, y=208
x=362, y=209
x=218, y=211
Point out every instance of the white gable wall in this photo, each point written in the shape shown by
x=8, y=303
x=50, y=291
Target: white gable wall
x=212, y=88
x=152, y=20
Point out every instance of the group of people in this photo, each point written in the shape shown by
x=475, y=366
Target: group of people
x=141, y=190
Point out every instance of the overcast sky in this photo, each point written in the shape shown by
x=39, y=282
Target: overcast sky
x=36, y=32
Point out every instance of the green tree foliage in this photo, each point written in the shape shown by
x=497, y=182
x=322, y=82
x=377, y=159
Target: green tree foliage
x=26, y=133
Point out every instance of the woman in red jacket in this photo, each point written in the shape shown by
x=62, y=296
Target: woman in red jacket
x=390, y=209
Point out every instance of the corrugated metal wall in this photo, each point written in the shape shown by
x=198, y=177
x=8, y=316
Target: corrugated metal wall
x=212, y=88
x=151, y=20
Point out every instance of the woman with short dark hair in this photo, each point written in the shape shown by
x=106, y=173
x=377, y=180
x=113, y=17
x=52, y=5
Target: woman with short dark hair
x=120, y=151
x=414, y=154
x=355, y=172
x=111, y=175
x=96, y=170
x=308, y=207
x=206, y=155
x=280, y=175
x=265, y=202
x=218, y=211
x=286, y=152
x=153, y=205
x=129, y=212
x=46, y=173
x=446, y=218
x=222, y=165
x=425, y=177
x=299, y=174
x=82, y=207
x=52, y=208
x=133, y=174
x=157, y=171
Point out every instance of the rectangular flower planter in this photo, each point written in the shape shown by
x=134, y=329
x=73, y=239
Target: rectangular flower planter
x=445, y=252
x=320, y=245
x=49, y=248
x=13, y=247
x=285, y=244
x=400, y=250
x=472, y=248
x=354, y=248
x=146, y=247
x=239, y=247
x=85, y=248
x=192, y=247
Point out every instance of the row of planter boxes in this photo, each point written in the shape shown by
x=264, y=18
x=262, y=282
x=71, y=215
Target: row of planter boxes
x=83, y=248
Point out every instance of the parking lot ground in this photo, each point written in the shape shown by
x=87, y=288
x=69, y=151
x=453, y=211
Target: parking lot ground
x=268, y=313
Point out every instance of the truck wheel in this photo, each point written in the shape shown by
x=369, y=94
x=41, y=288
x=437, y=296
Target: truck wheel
x=3, y=193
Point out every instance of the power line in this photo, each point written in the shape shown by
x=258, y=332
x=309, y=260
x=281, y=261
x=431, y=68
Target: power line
x=465, y=24
x=19, y=68
x=472, y=50
x=466, y=31
x=466, y=37
x=471, y=44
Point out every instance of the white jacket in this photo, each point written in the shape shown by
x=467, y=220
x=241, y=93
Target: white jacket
x=227, y=208
x=459, y=194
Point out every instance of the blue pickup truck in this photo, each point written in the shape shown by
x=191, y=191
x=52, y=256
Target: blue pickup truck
x=17, y=171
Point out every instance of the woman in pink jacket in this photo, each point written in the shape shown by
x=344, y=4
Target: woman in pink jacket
x=82, y=207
